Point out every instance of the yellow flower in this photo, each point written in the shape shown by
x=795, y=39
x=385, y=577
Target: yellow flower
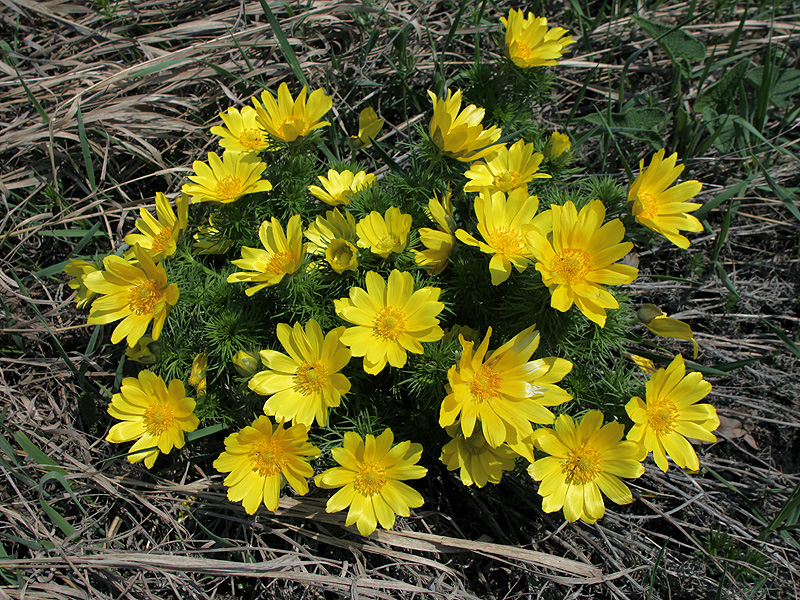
x=136, y=293
x=584, y=461
x=656, y=321
x=670, y=414
x=152, y=414
x=386, y=234
x=307, y=382
x=145, y=351
x=511, y=168
x=227, y=179
x=340, y=187
x=241, y=132
x=209, y=240
x=645, y=364
x=557, y=145
x=529, y=43
x=661, y=209
x=368, y=127
x=503, y=223
x=283, y=256
x=577, y=260
x=390, y=319
x=159, y=237
x=332, y=237
x=451, y=333
x=371, y=475
x=246, y=363
x=460, y=134
x=197, y=378
x=439, y=243
x=290, y=120
x=478, y=462
x=78, y=270
x=506, y=391
x=257, y=456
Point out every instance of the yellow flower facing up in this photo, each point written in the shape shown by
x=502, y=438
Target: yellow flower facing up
x=291, y=120
x=305, y=384
x=256, y=458
x=283, y=255
x=477, y=461
x=136, y=293
x=584, y=461
x=154, y=415
x=438, y=243
x=656, y=321
x=529, y=43
x=506, y=391
x=556, y=146
x=371, y=476
x=368, y=127
x=227, y=179
x=459, y=133
x=209, y=240
x=662, y=208
x=145, y=351
x=511, y=168
x=197, y=378
x=503, y=223
x=384, y=234
x=670, y=413
x=340, y=187
x=577, y=261
x=390, y=319
x=241, y=132
x=78, y=270
x=159, y=237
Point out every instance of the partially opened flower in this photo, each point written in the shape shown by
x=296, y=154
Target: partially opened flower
x=197, y=377
x=136, y=293
x=227, y=179
x=154, y=415
x=371, y=477
x=145, y=351
x=477, y=461
x=241, y=132
x=333, y=236
x=209, y=239
x=509, y=169
x=670, y=414
x=246, y=363
x=459, y=133
x=283, y=254
x=656, y=321
x=438, y=243
x=506, y=391
x=577, y=260
x=78, y=270
x=368, y=127
x=584, y=461
x=661, y=208
x=159, y=237
x=340, y=186
x=556, y=146
x=305, y=384
x=258, y=456
x=384, y=234
x=390, y=319
x=529, y=43
x=289, y=120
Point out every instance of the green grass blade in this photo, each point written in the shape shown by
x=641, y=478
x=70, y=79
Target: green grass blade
x=286, y=48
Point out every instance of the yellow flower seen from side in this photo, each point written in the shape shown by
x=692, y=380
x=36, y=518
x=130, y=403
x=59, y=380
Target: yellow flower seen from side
x=384, y=234
x=662, y=208
x=334, y=225
x=209, y=239
x=477, y=461
x=283, y=255
x=340, y=186
x=78, y=270
x=557, y=145
x=576, y=261
x=136, y=293
x=645, y=364
x=438, y=243
x=511, y=168
x=291, y=120
x=258, y=456
x=246, y=363
x=197, y=377
x=154, y=415
x=159, y=237
x=583, y=461
x=506, y=391
x=503, y=223
x=371, y=475
x=304, y=383
x=460, y=133
x=226, y=179
x=529, y=43
x=368, y=127
x=670, y=414
x=390, y=319
x=656, y=321
x=241, y=132
x=145, y=351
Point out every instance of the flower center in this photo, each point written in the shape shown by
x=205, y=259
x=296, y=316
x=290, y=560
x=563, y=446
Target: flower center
x=342, y=255
x=390, y=243
x=485, y=385
x=582, y=465
x=161, y=239
x=648, y=205
x=507, y=181
x=662, y=415
x=229, y=188
x=278, y=262
x=523, y=50
x=268, y=457
x=144, y=296
x=310, y=377
x=370, y=479
x=390, y=323
x=506, y=240
x=572, y=264
x=158, y=417
x=252, y=139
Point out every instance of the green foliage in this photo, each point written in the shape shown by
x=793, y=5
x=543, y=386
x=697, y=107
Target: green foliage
x=745, y=564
